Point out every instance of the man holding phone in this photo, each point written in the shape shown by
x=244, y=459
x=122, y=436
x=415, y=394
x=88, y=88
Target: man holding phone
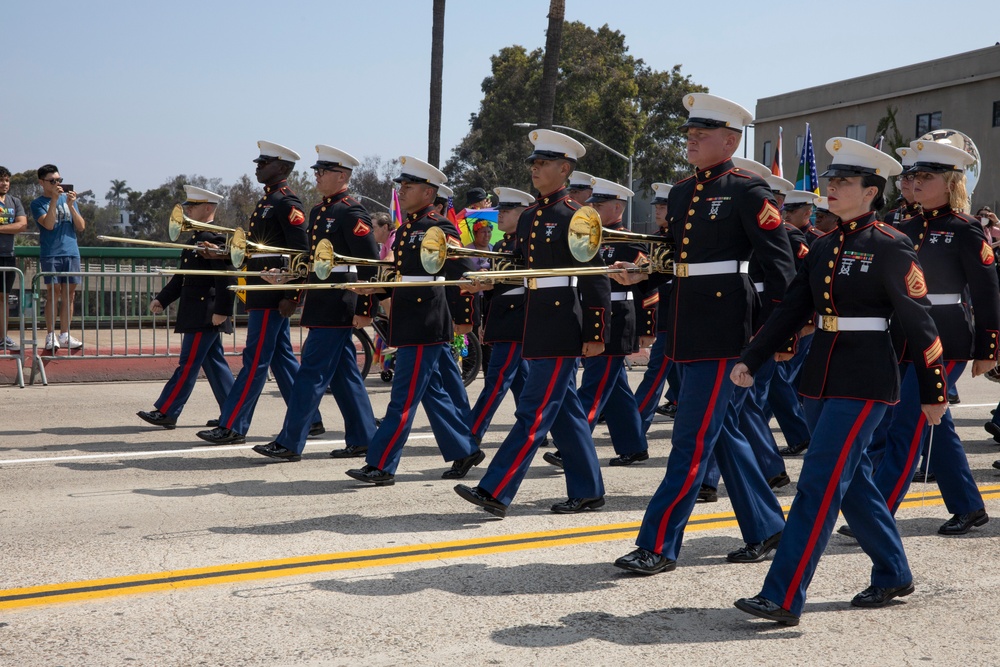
x=12, y=221
x=59, y=221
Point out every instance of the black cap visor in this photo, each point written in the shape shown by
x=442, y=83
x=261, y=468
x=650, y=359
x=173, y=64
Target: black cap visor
x=547, y=155
x=709, y=124
x=932, y=167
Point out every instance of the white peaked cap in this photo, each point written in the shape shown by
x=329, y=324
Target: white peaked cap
x=822, y=203
x=793, y=197
x=550, y=145
x=328, y=157
x=416, y=170
x=605, y=190
x=752, y=166
x=200, y=196
x=269, y=149
x=580, y=179
x=779, y=184
x=711, y=111
x=907, y=156
x=661, y=190
x=938, y=157
x=856, y=158
x=511, y=198
x=445, y=191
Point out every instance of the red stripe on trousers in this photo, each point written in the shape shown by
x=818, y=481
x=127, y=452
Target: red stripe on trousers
x=592, y=413
x=824, y=507
x=407, y=405
x=253, y=370
x=699, y=447
x=531, y=431
x=496, y=390
x=192, y=353
x=653, y=389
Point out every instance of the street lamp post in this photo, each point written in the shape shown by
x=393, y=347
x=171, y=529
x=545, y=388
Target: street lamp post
x=627, y=158
x=374, y=201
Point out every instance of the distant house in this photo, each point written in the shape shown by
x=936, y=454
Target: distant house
x=960, y=92
x=123, y=227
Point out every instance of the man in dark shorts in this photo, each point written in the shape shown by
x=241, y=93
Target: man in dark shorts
x=12, y=221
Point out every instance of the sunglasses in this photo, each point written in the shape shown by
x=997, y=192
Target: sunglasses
x=56, y=181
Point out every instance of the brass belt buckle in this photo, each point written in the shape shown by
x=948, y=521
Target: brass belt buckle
x=829, y=323
x=531, y=283
x=681, y=270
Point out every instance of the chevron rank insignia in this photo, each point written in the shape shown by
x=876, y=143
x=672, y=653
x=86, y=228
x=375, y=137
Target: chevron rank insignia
x=934, y=352
x=986, y=254
x=803, y=250
x=296, y=217
x=768, y=218
x=361, y=229
x=916, y=286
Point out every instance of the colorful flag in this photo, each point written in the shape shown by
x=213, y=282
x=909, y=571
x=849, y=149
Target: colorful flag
x=776, y=162
x=395, y=212
x=806, y=179
x=878, y=142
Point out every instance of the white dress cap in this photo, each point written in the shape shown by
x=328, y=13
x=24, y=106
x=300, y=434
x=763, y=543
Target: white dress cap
x=661, y=191
x=799, y=197
x=550, y=145
x=269, y=149
x=605, y=190
x=752, y=166
x=938, y=157
x=778, y=184
x=822, y=204
x=328, y=157
x=711, y=111
x=415, y=170
x=200, y=196
x=445, y=191
x=907, y=156
x=856, y=158
x=511, y=198
x=580, y=180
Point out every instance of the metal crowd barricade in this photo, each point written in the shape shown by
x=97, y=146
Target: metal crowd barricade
x=18, y=357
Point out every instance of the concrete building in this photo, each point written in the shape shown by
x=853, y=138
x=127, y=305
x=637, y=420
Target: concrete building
x=960, y=92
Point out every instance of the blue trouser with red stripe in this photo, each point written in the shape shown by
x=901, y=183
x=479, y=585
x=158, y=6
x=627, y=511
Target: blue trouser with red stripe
x=329, y=359
x=647, y=394
x=836, y=476
x=506, y=370
x=201, y=350
x=706, y=422
x=269, y=343
x=549, y=404
x=604, y=388
x=754, y=426
x=425, y=374
x=906, y=438
x=783, y=396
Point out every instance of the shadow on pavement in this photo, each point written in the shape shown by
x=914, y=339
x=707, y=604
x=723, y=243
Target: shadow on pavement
x=356, y=524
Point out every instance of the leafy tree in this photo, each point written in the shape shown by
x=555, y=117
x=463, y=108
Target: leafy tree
x=888, y=128
x=372, y=180
x=116, y=195
x=240, y=199
x=602, y=90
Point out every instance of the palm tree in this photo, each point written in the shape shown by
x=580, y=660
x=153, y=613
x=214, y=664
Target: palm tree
x=550, y=66
x=116, y=195
x=437, y=73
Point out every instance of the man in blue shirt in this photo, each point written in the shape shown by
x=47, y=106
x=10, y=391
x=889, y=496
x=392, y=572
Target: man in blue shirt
x=12, y=221
x=59, y=221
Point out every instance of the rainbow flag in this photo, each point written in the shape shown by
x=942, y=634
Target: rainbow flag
x=395, y=212
x=467, y=218
x=776, y=162
x=806, y=178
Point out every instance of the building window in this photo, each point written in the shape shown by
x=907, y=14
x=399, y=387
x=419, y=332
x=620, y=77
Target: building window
x=799, y=140
x=927, y=122
x=766, y=158
x=859, y=132
x=996, y=114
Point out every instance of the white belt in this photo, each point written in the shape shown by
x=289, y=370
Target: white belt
x=266, y=255
x=944, y=299
x=417, y=279
x=710, y=268
x=342, y=268
x=554, y=281
x=833, y=323
x=513, y=292
x=622, y=296
x=759, y=287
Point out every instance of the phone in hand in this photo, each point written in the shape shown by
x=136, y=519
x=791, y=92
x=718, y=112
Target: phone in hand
x=67, y=187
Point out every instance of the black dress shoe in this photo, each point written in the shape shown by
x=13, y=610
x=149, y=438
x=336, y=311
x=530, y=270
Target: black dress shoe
x=779, y=481
x=349, y=452
x=577, y=505
x=157, y=418
x=668, y=409
x=212, y=423
x=461, y=467
x=221, y=436
x=921, y=476
x=754, y=553
x=629, y=459
x=554, y=458
x=996, y=464
x=707, y=494
x=954, y=400
x=873, y=596
x=276, y=451
x=993, y=430
x=478, y=496
x=792, y=450
x=316, y=429
x=644, y=561
x=960, y=524
x=846, y=531
x=545, y=442
x=764, y=608
x=372, y=475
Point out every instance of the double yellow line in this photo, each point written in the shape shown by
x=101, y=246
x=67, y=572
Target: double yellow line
x=354, y=560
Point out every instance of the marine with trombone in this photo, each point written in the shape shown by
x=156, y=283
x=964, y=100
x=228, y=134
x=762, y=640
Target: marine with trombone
x=204, y=312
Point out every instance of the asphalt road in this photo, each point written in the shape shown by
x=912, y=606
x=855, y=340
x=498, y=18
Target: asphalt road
x=125, y=544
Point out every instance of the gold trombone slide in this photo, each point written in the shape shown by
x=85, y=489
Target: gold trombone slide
x=180, y=223
x=322, y=264
x=435, y=250
x=161, y=244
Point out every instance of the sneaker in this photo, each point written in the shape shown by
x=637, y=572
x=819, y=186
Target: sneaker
x=8, y=344
x=65, y=340
x=51, y=343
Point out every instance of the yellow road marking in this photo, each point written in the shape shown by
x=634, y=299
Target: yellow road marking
x=355, y=560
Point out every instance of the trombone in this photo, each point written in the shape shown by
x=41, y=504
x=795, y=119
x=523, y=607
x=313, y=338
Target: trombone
x=299, y=265
x=435, y=250
x=181, y=223
x=161, y=244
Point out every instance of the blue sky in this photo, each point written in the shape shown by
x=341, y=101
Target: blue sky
x=144, y=91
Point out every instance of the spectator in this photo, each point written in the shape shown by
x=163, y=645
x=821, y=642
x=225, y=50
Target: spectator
x=385, y=233
x=12, y=221
x=986, y=216
x=482, y=230
x=477, y=198
x=59, y=221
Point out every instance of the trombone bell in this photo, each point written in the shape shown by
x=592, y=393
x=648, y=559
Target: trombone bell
x=435, y=250
x=586, y=234
x=181, y=223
